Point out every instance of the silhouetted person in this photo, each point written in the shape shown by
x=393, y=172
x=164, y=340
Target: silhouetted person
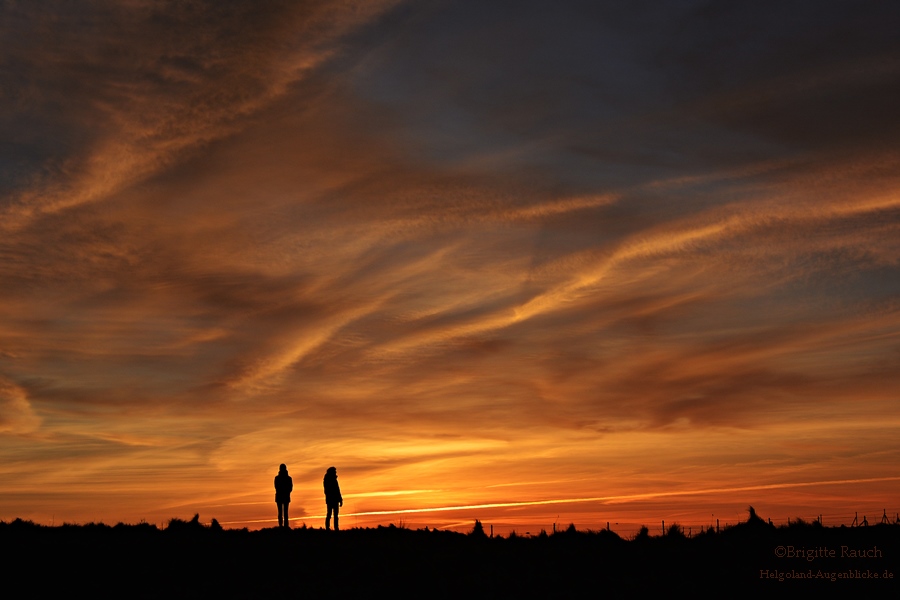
x=333, y=499
x=284, y=485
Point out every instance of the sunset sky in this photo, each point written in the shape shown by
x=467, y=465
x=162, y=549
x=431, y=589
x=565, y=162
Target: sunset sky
x=526, y=262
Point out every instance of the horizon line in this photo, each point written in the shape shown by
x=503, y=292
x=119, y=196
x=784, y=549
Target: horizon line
x=604, y=499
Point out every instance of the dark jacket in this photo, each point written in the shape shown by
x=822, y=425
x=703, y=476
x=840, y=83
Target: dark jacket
x=284, y=485
x=332, y=489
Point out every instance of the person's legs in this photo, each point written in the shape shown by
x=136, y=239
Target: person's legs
x=337, y=509
x=281, y=510
x=328, y=518
x=287, y=522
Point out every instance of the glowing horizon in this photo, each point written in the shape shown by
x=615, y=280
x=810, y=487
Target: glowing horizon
x=604, y=500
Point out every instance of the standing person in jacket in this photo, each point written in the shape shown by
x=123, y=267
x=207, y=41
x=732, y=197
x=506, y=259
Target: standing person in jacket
x=333, y=499
x=284, y=485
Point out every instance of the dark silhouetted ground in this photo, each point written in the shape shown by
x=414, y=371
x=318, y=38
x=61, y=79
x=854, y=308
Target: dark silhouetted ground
x=190, y=560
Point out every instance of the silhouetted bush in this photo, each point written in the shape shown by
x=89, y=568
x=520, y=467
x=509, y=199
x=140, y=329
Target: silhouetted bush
x=675, y=531
x=799, y=523
x=180, y=526
x=478, y=530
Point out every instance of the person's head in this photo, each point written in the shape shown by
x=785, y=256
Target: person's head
x=331, y=471
x=282, y=468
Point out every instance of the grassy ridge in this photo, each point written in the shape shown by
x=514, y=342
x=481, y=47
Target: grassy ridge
x=188, y=559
